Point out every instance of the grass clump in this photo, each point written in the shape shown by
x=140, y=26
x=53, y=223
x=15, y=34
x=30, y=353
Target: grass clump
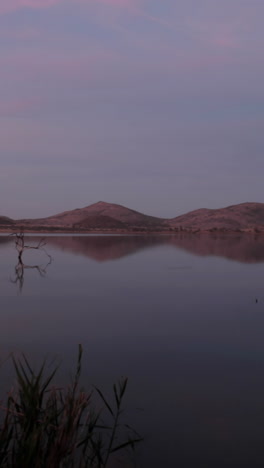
x=45, y=426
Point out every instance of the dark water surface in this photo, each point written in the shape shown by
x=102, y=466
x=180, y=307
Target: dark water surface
x=177, y=315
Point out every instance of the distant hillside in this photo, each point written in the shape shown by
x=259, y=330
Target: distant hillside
x=245, y=216
x=5, y=221
x=99, y=222
x=102, y=216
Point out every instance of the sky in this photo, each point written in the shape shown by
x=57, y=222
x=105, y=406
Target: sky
x=157, y=105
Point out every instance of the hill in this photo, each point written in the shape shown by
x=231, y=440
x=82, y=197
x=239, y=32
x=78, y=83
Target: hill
x=110, y=217
x=242, y=217
x=100, y=215
x=5, y=221
x=99, y=222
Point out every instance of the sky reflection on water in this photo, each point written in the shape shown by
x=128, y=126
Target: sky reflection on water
x=185, y=328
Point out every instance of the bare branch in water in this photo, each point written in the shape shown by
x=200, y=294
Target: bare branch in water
x=21, y=267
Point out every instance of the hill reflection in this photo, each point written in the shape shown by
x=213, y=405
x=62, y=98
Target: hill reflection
x=241, y=248
x=106, y=248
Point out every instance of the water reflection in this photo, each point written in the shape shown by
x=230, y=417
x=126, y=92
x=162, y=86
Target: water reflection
x=241, y=248
x=21, y=246
x=5, y=240
x=186, y=330
x=20, y=268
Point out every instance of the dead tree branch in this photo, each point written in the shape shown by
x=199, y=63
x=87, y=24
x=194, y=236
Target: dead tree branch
x=21, y=267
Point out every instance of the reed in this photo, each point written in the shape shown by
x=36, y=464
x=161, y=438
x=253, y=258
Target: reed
x=45, y=426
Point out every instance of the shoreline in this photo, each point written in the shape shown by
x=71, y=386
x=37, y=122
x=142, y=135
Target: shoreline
x=135, y=231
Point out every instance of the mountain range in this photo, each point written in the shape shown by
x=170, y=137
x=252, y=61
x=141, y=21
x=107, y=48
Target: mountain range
x=109, y=217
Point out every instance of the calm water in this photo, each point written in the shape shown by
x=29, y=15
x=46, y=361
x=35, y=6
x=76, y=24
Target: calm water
x=177, y=315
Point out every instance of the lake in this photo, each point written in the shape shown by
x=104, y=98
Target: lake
x=181, y=316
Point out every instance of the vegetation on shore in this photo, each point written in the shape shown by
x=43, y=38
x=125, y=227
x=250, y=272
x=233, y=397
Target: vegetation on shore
x=45, y=426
